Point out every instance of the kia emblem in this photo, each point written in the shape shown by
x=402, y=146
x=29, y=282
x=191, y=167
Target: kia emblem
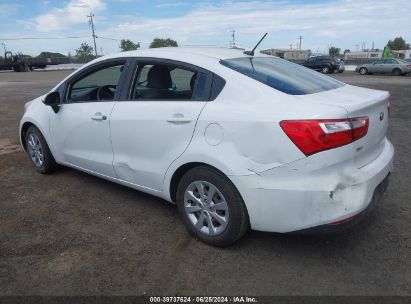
x=381, y=116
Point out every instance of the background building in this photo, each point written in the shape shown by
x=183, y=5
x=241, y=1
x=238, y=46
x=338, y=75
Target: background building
x=404, y=54
x=289, y=54
x=366, y=54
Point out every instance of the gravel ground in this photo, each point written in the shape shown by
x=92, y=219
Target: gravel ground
x=74, y=234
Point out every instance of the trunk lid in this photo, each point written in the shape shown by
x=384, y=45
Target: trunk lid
x=361, y=102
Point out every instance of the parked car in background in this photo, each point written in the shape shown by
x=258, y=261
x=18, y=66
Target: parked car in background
x=325, y=64
x=235, y=141
x=385, y=66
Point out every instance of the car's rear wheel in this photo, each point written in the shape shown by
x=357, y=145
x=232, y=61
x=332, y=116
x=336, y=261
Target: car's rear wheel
x=38, y=151
x=363, y=71
x=396, y=72
x=325, y=70
x=211, y=207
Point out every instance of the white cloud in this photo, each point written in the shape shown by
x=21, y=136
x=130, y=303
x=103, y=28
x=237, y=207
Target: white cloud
x=341, y=23
x=170, y=4
x=334, y=21
x=8, y=9
x=73, y=13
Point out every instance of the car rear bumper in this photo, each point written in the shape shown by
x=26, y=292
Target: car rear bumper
x=310, y=199
x=350, y=222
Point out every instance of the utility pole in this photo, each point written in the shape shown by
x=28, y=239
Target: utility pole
x=232, y=39
x=301, y=38
x=4, y=46
x=90, y=21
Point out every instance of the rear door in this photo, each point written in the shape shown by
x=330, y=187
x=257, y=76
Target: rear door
x=389, y=65
x=154, y=123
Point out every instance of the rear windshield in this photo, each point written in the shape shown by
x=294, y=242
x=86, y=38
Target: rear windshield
x=283, y=75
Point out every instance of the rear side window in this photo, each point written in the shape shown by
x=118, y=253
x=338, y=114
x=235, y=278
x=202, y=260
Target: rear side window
x=159, y=81
x=283, y=75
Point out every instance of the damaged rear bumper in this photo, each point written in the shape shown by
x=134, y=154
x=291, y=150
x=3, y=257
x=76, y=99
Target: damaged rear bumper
x=286, y=199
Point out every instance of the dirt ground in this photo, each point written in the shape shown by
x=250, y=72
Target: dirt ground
x=74, y=234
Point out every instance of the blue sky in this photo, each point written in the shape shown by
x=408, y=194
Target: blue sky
x=342, y=23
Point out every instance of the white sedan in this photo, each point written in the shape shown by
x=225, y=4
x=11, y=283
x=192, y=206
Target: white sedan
x=236, y=141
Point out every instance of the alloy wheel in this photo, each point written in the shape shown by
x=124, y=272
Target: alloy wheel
x=35, y=150
x=206, y=208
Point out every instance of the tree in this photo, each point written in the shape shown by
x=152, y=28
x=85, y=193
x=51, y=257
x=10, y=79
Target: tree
x=334, y=51
x=128, y=45
x=85, y=51
x=398, y=44
x=161, y=42
x=346, y=51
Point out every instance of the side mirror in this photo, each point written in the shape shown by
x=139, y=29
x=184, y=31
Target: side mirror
x=52, y=99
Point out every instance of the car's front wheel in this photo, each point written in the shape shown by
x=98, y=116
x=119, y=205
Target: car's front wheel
x=211, y=207
x=38, y=151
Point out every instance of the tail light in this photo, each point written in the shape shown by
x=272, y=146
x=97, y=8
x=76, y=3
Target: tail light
x=313, y=136
x=409, y=66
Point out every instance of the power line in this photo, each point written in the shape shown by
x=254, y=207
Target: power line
x=108, y=38
x=44, y=38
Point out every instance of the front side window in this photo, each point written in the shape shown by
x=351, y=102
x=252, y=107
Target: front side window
x=282, y=75
x=158, y=81
x=98, y=85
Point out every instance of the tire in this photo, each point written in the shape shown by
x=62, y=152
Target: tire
x=340, y=71
x=363, y=71
x=39, y=152
x=325, y=70
x=233, y=220
x=396, y=72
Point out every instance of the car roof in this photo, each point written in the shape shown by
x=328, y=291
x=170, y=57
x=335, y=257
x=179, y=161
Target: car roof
x=207, y=58
x=197, y=56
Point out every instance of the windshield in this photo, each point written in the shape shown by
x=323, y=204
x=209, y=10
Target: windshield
x=282, y=75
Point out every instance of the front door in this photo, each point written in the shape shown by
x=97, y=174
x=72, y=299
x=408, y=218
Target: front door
x=154, y=125
x=80, y=130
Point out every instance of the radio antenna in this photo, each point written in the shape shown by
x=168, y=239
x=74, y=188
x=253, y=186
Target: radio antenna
x=251, y=53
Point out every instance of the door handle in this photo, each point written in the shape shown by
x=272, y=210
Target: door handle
x=179, y=119
x=98, y=117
